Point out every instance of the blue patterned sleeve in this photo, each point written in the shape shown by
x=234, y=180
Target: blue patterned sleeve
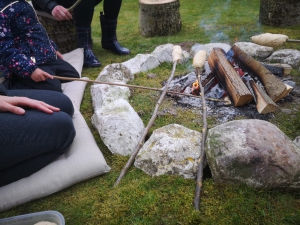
x=10, y=57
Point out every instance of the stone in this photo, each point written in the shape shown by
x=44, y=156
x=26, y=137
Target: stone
x=172, y=149
x=255, y=153
x=256, y=51
x=141, y=63
x=119, y=126
x=115, y=72
x=286, y=56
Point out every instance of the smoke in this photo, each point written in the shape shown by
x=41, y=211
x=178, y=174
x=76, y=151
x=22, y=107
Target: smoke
x=217, y=33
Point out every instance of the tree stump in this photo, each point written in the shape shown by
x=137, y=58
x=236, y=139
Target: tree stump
x=159, y=17
x=279, y=13
x=63, y=33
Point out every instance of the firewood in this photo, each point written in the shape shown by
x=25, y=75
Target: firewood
x=278, y=69
x=228, y=77
x=264, y=104
x=177, y=54
x=274, y=86
x=287, y=91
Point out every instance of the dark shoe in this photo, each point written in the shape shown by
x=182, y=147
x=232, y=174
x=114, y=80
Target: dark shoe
x=109, y=40
x=85, y=42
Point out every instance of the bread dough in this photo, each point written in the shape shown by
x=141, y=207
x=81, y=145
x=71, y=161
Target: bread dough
x=199, y=59
x=176, y=53
x=45, y=223
x=270, y=40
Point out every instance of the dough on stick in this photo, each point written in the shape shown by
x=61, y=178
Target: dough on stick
x=270, y=40
x=45, y=223
x=199, y=59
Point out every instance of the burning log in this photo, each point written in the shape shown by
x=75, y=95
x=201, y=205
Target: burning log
x=264, y=104
x=275, y=88
x=229, y=78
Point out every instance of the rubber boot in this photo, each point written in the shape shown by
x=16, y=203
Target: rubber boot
x=85, y=42
x=109, y=40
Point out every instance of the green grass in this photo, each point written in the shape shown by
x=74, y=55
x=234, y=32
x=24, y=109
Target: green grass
x=140, y=199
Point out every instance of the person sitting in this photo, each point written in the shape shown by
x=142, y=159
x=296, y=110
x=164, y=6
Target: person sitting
x=36, y=127
x=28, y=58
x=83, y=15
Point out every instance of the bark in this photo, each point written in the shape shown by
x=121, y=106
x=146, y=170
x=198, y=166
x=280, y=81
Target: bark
x=229, y=78
x=160, y=18
x=279, y=13
x=274, y=87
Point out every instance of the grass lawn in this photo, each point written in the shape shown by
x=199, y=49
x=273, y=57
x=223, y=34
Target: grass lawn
x=140, y=199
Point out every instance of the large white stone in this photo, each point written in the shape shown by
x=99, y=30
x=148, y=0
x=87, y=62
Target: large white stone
x=172, y=149
x=119, y=126
x=141, y=63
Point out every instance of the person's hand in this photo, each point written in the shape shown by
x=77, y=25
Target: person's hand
x=40, y=75
x=61, y=13
x=11, y=104
x=59, y=54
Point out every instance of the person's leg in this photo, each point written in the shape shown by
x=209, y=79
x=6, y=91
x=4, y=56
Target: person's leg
x=30, y=142
x=53, y=98
x=109, y=22
x=58, y=67
x=83, y=15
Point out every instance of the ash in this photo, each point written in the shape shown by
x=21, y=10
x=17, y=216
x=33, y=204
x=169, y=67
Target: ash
x=220, y=110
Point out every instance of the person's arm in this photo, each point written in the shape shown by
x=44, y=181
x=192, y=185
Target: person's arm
x=51, y=7
x=10, y=56
x=45, y=5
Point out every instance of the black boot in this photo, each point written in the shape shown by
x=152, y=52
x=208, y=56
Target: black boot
x=85, y=42
x=109, y=39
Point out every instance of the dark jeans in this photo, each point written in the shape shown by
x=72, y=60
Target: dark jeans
x=84, y=12
x=58, y=68
x=31, y=141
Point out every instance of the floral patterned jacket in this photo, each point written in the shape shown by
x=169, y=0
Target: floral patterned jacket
x=24, y=43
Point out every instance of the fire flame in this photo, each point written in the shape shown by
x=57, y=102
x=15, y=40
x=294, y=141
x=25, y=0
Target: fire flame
x=196, y=88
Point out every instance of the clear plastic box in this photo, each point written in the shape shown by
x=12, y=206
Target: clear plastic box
x=32, y=218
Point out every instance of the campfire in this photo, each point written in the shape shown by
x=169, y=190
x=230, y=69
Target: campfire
x=234, y=79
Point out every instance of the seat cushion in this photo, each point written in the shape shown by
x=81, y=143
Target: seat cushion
x=82, y=161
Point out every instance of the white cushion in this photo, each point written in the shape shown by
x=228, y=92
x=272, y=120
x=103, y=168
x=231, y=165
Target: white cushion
x=82, y=161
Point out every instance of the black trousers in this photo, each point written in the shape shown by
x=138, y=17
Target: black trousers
x=84, y=12
x=58, y=67
x=31, y=141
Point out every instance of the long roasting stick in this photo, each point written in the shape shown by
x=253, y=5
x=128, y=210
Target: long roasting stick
x=134, y=86
x=177, y=52
x=198, y=63
x=74, y=5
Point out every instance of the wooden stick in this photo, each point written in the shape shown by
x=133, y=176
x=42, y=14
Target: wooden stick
x=199, y=58
x=74, y=5
x=176, y=58
x=134, y=86
x=293, y=40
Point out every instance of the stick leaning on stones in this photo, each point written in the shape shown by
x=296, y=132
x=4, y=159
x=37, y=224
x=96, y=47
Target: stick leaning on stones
x=198, y=64
x=135, y=86
x=176, y=55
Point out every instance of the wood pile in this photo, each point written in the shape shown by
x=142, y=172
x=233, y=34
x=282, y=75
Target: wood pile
x=244, y=89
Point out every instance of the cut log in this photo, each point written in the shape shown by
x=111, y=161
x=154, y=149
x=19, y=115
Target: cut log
x=278, y=69
x=264, y=104
x=287, y=91
x=159, y=17
x=274, y=86
x=229, y=78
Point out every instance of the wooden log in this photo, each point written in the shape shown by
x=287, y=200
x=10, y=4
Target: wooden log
x=279, y=13
x=264, y=104
x=229, y=78
x=274, y=86
x=159, y=17
x=278, y=69
x=63, y=33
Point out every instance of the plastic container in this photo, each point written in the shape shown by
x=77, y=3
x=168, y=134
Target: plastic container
x=33, y=218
